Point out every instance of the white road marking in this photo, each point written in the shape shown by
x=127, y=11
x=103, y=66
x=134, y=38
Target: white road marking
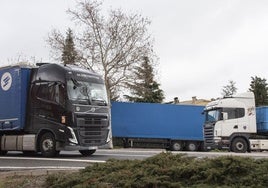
x=125, y=155
x=54, y=159
x=40, y=167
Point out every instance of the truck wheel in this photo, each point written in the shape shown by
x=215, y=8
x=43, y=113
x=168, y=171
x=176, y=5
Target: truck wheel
x=87, y=152
x=176, y=146
x=48, y=145
x=239, y=145
x=191, y=146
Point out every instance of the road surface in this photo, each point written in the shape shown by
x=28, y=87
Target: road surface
x=75, y=161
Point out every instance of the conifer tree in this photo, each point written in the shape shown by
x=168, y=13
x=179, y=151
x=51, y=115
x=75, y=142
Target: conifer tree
x=260, y=89
x=145, y=88
x=69, y=54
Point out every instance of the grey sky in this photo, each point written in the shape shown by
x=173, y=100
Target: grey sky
x=201, y=44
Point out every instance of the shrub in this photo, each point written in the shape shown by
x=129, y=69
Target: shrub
x=169, y=170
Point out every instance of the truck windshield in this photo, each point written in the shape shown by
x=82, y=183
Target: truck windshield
x=87, y=93
x=213, y=115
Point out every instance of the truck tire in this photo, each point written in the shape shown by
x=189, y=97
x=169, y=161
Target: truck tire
x=239, y=145
x=87, y=153
x=191, y=146
x=176, y=146
x=48, y=145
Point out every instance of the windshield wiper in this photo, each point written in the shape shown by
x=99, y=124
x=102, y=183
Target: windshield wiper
x=85, y=91
x=76, y=83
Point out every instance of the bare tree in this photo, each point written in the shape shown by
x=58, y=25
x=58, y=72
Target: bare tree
x=111, y=45
x=56, y=42
x=22, y=59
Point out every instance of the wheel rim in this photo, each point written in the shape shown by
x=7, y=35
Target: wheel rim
x=47, y=145
x=177, y=146
x=192, y=147
x=239, y=146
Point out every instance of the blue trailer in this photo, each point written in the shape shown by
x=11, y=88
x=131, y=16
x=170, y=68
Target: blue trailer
x=262, y=120
x=174, y=127
x=13, y=99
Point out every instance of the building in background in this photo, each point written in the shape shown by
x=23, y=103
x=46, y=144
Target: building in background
x=194, y=101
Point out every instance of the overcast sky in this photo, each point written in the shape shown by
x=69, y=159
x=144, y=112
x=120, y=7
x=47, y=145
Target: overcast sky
x=201, y=45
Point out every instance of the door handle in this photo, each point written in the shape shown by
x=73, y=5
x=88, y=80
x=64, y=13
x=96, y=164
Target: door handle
x=236, y=127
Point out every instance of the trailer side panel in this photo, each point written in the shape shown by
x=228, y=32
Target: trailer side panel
x=165, y=121
x=13, y=97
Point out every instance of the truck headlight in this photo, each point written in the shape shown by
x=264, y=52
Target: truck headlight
x=73, y=139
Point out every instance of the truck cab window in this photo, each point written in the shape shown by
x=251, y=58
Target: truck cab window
x=87, y=92
x=43, y=91
x=213, y=115
x=234, y=113
x=51, y=92
x=240, y=112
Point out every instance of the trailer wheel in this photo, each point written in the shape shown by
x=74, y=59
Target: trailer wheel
x=48, y=145
x=239, y=145
x=176, y=146
x=191, y=146
x=87, y=152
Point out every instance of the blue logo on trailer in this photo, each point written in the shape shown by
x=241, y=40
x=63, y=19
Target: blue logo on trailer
x=6, y=81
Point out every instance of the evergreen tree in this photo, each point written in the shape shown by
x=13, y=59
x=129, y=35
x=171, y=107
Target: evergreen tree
x=229, y=89
x=259, y=87
x=145, y=88
x=69, y=54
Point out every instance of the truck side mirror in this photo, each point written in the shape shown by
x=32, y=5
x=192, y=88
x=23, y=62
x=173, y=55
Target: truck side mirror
x=224, y=115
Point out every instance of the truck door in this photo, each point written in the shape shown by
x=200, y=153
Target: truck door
x=234, y=121
x=47, y=103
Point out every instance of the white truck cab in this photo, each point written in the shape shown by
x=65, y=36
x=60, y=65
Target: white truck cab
x=230, y=122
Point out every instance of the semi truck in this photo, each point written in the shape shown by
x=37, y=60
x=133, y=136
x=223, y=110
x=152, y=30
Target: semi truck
x=234, y=123
x=170, y=126
x=52, y=107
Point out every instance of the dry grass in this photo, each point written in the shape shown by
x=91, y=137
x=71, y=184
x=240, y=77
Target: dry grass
x=27, y=178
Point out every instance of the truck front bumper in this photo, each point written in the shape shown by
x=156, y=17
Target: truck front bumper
x=78, y=147
x=218, y=143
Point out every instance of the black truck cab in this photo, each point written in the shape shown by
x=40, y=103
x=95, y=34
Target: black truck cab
x=68, y=109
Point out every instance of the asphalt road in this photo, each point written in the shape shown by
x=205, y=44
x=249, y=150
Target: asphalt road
x=75, y=161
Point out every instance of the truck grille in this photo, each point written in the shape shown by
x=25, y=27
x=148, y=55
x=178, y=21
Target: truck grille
x=209, y=134
x=92, y=129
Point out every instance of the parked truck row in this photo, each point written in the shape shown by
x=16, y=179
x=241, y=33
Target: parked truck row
x=52, y=107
